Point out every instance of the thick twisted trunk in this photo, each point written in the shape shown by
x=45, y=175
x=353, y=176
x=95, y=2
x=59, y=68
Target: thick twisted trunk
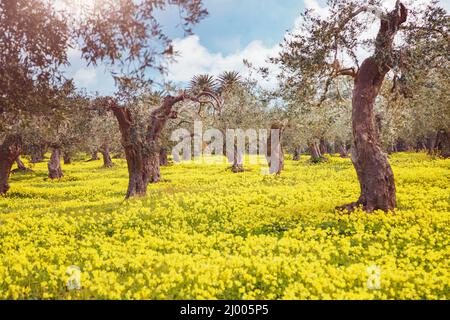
x=374, y=172
x=138, y=171
x=142, y=153
x=107, y=162
x=9, y=153
x=375, y=175
x=54, y=165
x=136, y=162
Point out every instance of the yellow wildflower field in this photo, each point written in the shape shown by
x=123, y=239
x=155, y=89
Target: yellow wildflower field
x=205, y=233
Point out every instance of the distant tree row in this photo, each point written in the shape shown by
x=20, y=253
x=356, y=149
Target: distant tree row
x=327, y=100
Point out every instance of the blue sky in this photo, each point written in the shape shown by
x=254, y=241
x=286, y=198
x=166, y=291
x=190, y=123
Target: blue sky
x=233, y=24
x=234, y=30
x=230, y=28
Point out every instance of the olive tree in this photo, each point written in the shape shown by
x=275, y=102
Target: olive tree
x=330, y=47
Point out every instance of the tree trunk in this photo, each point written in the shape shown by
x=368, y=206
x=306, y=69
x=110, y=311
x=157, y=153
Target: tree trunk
x=9, y=152
x=323, y=147
x=375, y=175
x=20, y=164
x=164, y=157
x=54, y=165
x=107, y=162
x=142, y=153
x=137, y=165
x=443, y=143
x=316, y=155
x=21, y=167
x=431, y=140
x=440, y=144
x=275, y=152
x=297, y=154
x=342, y=149
x=66, y=157
x=238, y=161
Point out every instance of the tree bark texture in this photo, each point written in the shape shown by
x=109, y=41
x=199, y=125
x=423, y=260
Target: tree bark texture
x=107, y=162
x=143, y=153
x=54, y=165
x=375, y=175
x=9, y=152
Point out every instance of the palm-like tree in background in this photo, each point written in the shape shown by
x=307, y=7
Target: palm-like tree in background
x=229, y=81
x=228, y=86
x=202, y=83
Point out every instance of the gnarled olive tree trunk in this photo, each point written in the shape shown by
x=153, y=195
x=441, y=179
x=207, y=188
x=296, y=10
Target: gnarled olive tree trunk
x=54, y=164
x=138, y=173
x=9, y=152
x=375, y=175
x=143, y=153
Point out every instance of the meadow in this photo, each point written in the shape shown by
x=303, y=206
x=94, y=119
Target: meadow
x=205, y=233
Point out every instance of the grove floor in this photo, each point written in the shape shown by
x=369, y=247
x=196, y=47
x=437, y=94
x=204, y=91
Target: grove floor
x=206, y=233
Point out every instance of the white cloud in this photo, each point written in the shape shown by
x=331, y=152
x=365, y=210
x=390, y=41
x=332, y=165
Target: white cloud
x=196, y=59
x=73, y=54
x=85, y=77
x=314, y=5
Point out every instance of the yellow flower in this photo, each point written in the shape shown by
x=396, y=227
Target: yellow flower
x=209, y=234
